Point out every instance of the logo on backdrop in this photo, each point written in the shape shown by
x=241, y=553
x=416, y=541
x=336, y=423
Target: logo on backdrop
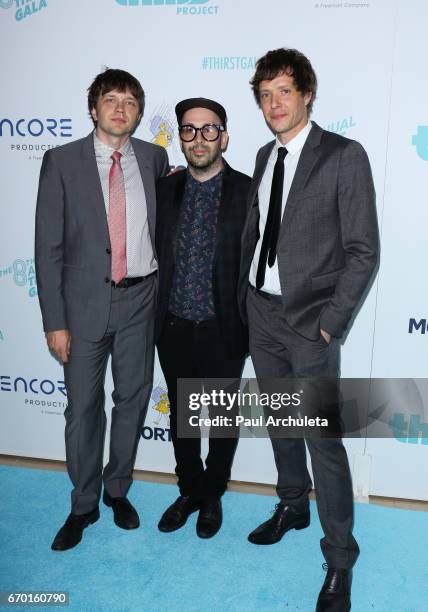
x=420, y=140
x=1, y=336
x=411, y=430
x=24, y=135
x=48, y=395
x=23, y=274
x=228, y=62
x=24, y=8
x=183, y=7
x=341, y=126
x=417, y=326
x=158, y=430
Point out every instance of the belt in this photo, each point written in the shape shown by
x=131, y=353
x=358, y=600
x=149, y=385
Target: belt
x=130, y=282
x=264, y=294
x=172, y=319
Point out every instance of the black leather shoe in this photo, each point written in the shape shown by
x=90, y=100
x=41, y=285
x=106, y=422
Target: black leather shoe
x=177, y=514
x=210, y=518
x=125, y=515
x=335, y=595
x=70, y=533
x=282, y=521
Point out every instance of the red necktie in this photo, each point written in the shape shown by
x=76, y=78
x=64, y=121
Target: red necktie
x=117, y=219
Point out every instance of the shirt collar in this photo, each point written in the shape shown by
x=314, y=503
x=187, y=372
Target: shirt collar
x=212, y=181
x=105, y=151
x=295, y=145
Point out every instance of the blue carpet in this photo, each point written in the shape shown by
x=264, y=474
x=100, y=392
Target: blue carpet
x=115, y=570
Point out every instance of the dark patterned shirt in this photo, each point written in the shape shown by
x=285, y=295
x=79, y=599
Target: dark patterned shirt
x=191, y=296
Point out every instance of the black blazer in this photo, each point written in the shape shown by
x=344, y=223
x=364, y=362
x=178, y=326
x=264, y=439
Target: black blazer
x=227, y=252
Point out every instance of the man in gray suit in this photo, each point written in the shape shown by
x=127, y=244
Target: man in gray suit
x=310, y=247
x=96, y=273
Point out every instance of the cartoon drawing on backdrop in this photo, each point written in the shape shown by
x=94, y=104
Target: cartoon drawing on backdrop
x=162, y=131
x=420, y=141
x=161, y=405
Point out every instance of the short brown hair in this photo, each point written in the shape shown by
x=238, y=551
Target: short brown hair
x=293, y=63
x=114, y=79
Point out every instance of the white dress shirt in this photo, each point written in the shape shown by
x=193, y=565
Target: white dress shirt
x=294, y=148
x=140, y=259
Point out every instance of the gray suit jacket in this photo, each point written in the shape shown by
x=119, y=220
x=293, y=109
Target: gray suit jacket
x=328, y=241
x=72, y=251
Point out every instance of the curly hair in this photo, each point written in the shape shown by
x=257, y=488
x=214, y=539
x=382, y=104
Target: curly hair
x=293, y=63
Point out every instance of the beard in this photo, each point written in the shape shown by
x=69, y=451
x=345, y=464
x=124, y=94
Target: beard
x=202, y=162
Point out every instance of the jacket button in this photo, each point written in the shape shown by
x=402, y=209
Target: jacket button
x=108, y=251
x=107, y=280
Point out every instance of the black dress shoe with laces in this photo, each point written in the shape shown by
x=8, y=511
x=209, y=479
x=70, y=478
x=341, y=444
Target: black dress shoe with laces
x=283, y=519
x=125, y=515
x=210, y=518
x=177, y=514
x=335, y=595
x=70, y=533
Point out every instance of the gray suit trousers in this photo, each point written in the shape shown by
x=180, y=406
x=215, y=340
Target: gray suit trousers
x=277, y=351
x=129, y=340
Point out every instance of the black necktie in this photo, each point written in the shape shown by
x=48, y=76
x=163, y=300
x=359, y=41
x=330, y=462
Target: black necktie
x=273, y=221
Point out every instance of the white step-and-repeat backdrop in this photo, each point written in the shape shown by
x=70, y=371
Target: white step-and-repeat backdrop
x=370, y=58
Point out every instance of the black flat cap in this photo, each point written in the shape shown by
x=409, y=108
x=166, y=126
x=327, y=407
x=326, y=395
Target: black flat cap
x=185, y=105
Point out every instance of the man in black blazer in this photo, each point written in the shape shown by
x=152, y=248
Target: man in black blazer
x=200, y=217
x=96, y=275
x=310, y=247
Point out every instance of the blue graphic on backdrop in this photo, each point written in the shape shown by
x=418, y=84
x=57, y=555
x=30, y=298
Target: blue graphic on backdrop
x=420, y=140
x=24, y=8
x=341, y=126
x=410, y=431
x=228, y=62
x=23, y=274
x=158, y=2
x=183, y=7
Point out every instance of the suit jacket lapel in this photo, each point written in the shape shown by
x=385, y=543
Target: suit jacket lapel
x=255, y=183
x=174, y=213
x=259, y=170
x=224, y=208
x=147, y=175
x=91, y=178
x=307, y=161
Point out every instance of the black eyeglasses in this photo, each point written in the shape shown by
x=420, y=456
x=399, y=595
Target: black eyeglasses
x=209, y=132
